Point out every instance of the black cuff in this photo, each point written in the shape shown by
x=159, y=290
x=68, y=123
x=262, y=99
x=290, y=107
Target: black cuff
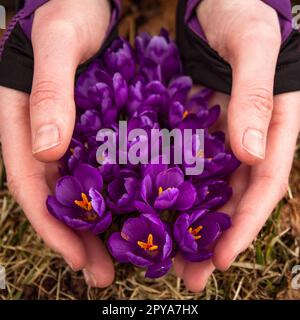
x=207, y=68
x=17, y=63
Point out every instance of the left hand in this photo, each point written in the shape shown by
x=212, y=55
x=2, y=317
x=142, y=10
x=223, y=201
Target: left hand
x=262, y=129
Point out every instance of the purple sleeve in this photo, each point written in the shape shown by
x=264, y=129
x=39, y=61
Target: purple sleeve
x=27, y=13
x=283, y=8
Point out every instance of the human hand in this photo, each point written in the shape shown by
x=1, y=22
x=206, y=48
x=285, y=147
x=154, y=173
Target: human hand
x=262, y=130
x=39, y=128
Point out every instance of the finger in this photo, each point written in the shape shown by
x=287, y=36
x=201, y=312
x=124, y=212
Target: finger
x=99, y=270
x=268, y=182
x=27, y=182
x=196, y=275
x=179, y=265
x=253, y=60
x=59, y=47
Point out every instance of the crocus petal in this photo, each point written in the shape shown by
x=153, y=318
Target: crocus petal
x=118, y=247
x=98, y=202
x=58, y=210
x=147, y=189
x=89, y=177
x=209, y=233
x=121, y=90
x=77, y=224
x=168, y=246
x=222, y=219
x=135, y=229
x=138, y=260
x=68, y=189
x=183, y=238
x=186, y=197
x=103, y=224
x=144, y=207
x=154, y=169
x=171, y=178
x=166, y=199
x=115, y=189
x=200, y=255
x=159, y=269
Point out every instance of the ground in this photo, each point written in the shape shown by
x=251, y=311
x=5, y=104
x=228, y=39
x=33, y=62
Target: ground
x=262, y=272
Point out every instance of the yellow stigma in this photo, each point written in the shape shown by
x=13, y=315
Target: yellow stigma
x=195, y=232
x=185, y=114
x=149, y=244
x=160, y=190
x=84, y=204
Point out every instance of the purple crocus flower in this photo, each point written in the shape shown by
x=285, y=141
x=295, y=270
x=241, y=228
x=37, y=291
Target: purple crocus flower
x=158, y=57
x=145, y=242
x=89, y=123
x=135, y=97
x=211, y=194
x=196, y=233
x=179, y=88
x=195, y=113
x=78, y=201
x=153, y=96
x=164, y=188
x=219, y=163
x=74, y=156
x=96, y=89
x=145, y=120
x=92, y=75
x=119, y=57
x=123, y=191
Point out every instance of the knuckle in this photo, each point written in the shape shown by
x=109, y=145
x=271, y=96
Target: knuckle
x=262, y=31
x=55, y=27
x=13, y=186
x=262, y=100
x=281, y=184
x=43, y=91
x=17, y=184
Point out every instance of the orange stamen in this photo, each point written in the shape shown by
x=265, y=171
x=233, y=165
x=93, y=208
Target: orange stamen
x=84, y=204
x=195, y=232
x=185, y=114
x=160, y=190
x=149, y=244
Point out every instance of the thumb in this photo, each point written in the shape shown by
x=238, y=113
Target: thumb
x=52, y=108
x=63, y=36
x=251, y=105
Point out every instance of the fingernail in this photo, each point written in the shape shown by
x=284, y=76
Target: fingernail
x=232, y=261
x=89, y=278
x=253, y=142
x=46, y=138
x=70, y=264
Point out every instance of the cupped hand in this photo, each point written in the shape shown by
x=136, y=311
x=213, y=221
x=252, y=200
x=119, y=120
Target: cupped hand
x=262, y=129
x=38, y=128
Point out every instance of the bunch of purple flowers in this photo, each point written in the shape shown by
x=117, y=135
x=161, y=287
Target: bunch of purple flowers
x=161, y=210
